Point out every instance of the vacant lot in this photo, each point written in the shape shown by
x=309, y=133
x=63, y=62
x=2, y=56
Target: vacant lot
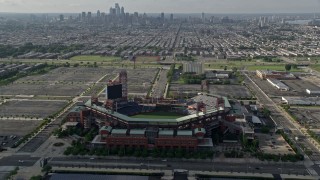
x=147, y=59
x=29, y=108
x=274, y=144
x=309, y=116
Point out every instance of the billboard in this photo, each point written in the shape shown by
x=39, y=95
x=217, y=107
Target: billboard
x=114, y=91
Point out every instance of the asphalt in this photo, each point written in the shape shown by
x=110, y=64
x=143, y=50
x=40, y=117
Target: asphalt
x=279, y=168
x=18, y=160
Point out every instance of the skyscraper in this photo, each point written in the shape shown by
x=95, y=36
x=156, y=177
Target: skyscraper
x=162, y=17
x=98, y=13
x=61, y=17
x=118, y=11
x=171, y=17
x=122, y=10
x=89, y=15
x=83, y=15
x=203, y=17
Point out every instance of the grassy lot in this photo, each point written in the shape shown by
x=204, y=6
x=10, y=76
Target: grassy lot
x=147, y=59
x=271, y=67
x=316, y=67
x=95, y=58
x=306, y=58
x=158, y=115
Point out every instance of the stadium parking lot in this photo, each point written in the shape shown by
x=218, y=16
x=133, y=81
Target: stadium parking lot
x=58, y=82
x=187, y=90
x=140, y=80
x=30, y=109
x=234, y=91
x=17, y=127
x=8, y=141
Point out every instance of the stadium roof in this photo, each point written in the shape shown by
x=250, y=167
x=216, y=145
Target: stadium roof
x=107, y=128
x=184, y=133
x=137, y=131
x=119, y=131
x=77, y=109
x=156, y=121
x=166, y=133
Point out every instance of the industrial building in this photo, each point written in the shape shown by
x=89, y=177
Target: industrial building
x=313, y=91
x=311, y=101
x=193, y=67
x=266, y=74
x=278, y=84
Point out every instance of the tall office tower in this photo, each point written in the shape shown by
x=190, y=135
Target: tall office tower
x=83, y=15
x=162, y=17
x=171, y=17
x=122, y=10
x=110, y=11
x=117, y=9
x=61, y=17
x=203, y=17
x=136, y=14
x=89, y=15
x=98, y=13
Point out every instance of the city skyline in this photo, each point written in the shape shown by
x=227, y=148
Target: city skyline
x=178, y=6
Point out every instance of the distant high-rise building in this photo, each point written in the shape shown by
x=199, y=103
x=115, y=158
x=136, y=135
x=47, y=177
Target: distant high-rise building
x=98, y=13
x=162, y=17
x=83, y=15
x=122, y=10
x=203, y=17
x=89, y=15
x=171, y=17
x=118, y=11
x=61, y=17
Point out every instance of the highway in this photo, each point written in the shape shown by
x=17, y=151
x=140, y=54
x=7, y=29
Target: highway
x=272, y=168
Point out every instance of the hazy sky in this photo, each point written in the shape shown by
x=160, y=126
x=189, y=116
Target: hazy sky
x=156, y=6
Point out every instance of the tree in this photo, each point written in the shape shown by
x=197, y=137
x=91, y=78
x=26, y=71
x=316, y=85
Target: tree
x=234, y=69
x=46, y=168
x=288, y=67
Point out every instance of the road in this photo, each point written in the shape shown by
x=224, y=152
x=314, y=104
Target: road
x=285, y=121
x=159, y=86
x=273, y=168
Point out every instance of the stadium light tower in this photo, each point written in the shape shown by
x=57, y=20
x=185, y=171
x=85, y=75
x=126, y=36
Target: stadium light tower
x=123, y=79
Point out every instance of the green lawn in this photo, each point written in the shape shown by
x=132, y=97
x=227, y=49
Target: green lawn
x=147, y=59
x=95, y=58
x=158, y=115
x=316, y=67
x=271, y=67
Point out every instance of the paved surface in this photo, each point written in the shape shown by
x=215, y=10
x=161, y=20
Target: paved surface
x=18, y=160
x=285, y=121
x=274, y=168
x=160, y=84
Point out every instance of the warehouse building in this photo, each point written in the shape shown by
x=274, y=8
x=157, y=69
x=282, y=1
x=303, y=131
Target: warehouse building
x=312, y=101
x=278, y=84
